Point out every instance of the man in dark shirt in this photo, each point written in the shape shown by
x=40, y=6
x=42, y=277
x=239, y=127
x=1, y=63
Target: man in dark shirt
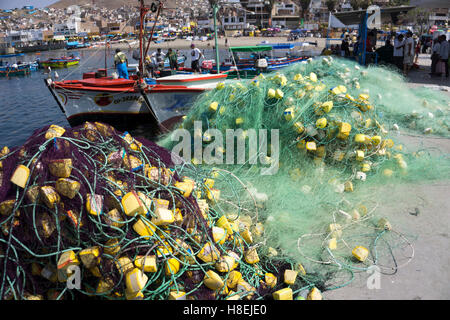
x=385, y=53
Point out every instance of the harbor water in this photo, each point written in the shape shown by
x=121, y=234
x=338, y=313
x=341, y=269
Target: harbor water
x=27, y=105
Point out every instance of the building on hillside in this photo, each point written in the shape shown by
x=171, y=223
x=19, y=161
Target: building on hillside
x=89, y=28
x=233, y=18
x=258, y=13
x=47, y=35
x=205, y=24
x=285, y=14
x=66, y=29
x=439, y=17
x=318, y=11
x=344, y=5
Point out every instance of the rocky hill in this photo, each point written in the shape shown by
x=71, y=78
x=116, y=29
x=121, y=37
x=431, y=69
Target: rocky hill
x=109, y=4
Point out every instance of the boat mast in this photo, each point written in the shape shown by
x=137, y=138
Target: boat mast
x=106, y=63
x=215, y=9
x=143, y=12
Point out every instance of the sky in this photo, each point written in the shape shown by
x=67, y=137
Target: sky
x=9, y=4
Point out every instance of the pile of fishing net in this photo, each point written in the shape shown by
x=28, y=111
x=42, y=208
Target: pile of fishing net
x=334, y=161
x=92, y=212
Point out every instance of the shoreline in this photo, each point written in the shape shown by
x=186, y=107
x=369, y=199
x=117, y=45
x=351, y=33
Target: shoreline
x=182, y=44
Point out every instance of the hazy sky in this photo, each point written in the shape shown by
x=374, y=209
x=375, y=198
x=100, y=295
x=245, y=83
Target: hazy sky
x=8, y=4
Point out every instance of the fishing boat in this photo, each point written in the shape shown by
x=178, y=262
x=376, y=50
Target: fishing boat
x=258, y=60
x=21, y=69
x=77, y=45
x=127, y=103
x=62, y=62
x=11, y=55
x=11, y=72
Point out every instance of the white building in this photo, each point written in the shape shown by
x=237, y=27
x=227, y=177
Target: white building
x=69, y=28
x=285, y=15
x=24, y=37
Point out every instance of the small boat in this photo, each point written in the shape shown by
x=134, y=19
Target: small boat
x=249, y=65
x=11, y=72
x=63, y=62
x=21, y=69
x=12, y=55
x=77, y=45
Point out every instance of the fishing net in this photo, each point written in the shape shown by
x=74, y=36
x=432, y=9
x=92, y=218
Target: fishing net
x=339, y=158
x=90, y=212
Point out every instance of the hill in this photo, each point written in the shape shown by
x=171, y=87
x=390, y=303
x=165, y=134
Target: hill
x=109, y=4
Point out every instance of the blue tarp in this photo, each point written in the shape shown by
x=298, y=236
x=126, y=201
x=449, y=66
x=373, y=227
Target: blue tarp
x=74, y=43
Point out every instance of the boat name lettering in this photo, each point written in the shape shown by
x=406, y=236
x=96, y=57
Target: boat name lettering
x=129, y=98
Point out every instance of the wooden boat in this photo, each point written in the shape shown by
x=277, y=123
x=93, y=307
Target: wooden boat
x=129, y=103
x=12, y=72
x=21, y=69
x=63, y=62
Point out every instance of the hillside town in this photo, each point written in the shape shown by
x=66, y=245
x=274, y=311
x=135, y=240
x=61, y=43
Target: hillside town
x=32, y=29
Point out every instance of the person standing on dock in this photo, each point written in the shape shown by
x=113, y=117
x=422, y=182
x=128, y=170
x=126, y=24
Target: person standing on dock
x=444, y=52
x=196, y=54
x=121, y=63
x=173, y=59
x=398, y=51
x=408, y=53
x=158, y=59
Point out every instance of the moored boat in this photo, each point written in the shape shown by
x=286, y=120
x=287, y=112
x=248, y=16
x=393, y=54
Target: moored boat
x=11, y=72
x=63, y=62
x=130, y=103
x=20, y=69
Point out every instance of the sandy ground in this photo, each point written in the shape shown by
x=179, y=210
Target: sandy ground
x=427, y=275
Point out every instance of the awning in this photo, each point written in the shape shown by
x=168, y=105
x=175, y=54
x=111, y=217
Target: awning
x=251, y=48
x=388, y=15
x=59, y=38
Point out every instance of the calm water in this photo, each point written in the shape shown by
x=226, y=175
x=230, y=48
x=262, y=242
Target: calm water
x=26, y=104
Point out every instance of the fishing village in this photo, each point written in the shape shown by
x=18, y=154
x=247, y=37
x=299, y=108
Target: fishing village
x=238, y=150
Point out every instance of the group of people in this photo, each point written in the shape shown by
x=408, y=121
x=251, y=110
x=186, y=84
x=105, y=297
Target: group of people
x=439, y=56
x=155, y=62
x=404, y=52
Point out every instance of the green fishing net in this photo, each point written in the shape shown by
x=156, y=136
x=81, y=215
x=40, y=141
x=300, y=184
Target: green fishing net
x=339, y=157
